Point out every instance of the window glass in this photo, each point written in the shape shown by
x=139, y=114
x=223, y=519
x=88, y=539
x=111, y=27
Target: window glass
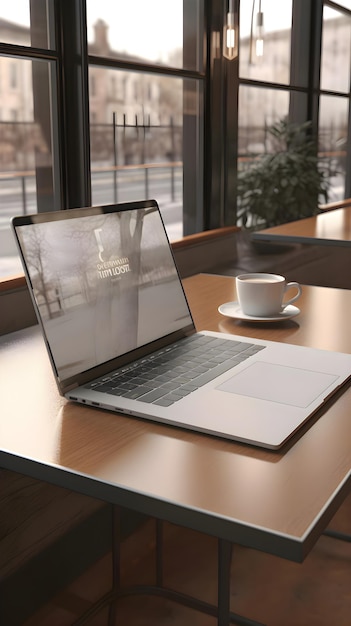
x=344, y=3
x=136, y=122
x=26, y=159
x=265, y=40
x=259, y=108
x=147, y=128
x=336, y=48
x=25, y=23
x=14, y=23
x=333, y=116
x=28, y=134
x=152, y=31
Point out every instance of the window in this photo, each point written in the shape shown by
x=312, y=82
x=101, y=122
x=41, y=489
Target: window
x=283, y=82
x=274, y=64
x=140, y=145
x=13, y=75
x=336, y=48
x=146, y=102
x=335, y=97
x=113, y=87
x=137, y=150
x=92, y=85
x=259, y=107
x=29, y=177
x=143, y=32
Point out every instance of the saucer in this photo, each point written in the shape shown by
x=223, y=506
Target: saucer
x=232, y=309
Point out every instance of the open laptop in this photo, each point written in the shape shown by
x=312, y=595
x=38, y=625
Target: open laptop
x=120, y=335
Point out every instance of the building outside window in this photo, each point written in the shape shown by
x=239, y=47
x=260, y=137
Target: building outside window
x=13, y=75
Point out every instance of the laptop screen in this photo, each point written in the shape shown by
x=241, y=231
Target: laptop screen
x=104, y=282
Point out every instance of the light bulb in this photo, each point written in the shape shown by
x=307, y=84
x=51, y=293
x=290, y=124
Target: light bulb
x=230, y=37
x=259, y=34
x=259, y=47
x=230, y=41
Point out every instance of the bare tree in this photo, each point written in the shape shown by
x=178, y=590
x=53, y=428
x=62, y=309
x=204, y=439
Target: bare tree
x=36, y=250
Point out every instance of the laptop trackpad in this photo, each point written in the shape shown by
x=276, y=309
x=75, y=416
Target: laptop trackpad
x=279, y=383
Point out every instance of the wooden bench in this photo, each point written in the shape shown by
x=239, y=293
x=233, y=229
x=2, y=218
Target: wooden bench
x=330, y=206
x=206, y=251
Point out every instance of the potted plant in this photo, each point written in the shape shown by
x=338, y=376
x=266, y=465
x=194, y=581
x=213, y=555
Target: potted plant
x=284, y=185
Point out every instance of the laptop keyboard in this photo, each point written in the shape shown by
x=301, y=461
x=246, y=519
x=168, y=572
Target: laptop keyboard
x=174, y=372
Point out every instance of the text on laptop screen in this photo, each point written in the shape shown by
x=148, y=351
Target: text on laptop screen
x=104, y=285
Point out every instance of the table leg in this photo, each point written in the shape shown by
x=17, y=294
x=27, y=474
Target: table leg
x=159, y=559
x=224, y=561
x=225, y=615
x=222, y=611
x=335, y=534
x=116, y=563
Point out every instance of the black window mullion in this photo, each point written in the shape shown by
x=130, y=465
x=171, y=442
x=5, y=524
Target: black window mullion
x=214, y=118
x=301, y=62
x=75, y=135
x=47, y=172
x=315, y=63
x=231, y=134
x=194, y=55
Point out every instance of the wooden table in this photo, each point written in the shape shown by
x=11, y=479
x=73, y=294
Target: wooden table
x=329, y=228
x=279, y=502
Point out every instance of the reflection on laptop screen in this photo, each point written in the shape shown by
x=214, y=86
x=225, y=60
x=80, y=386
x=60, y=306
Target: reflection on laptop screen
x=104, y=285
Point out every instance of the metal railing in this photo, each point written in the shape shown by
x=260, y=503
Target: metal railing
x=172, y=169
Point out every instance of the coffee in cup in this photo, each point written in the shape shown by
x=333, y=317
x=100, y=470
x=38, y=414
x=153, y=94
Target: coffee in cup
x=262, y=294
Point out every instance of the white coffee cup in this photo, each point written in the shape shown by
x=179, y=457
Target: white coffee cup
x=262, y=295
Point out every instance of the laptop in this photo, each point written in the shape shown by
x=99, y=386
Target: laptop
x=120, y=335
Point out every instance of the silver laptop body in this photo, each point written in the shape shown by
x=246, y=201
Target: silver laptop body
x=120, y=335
